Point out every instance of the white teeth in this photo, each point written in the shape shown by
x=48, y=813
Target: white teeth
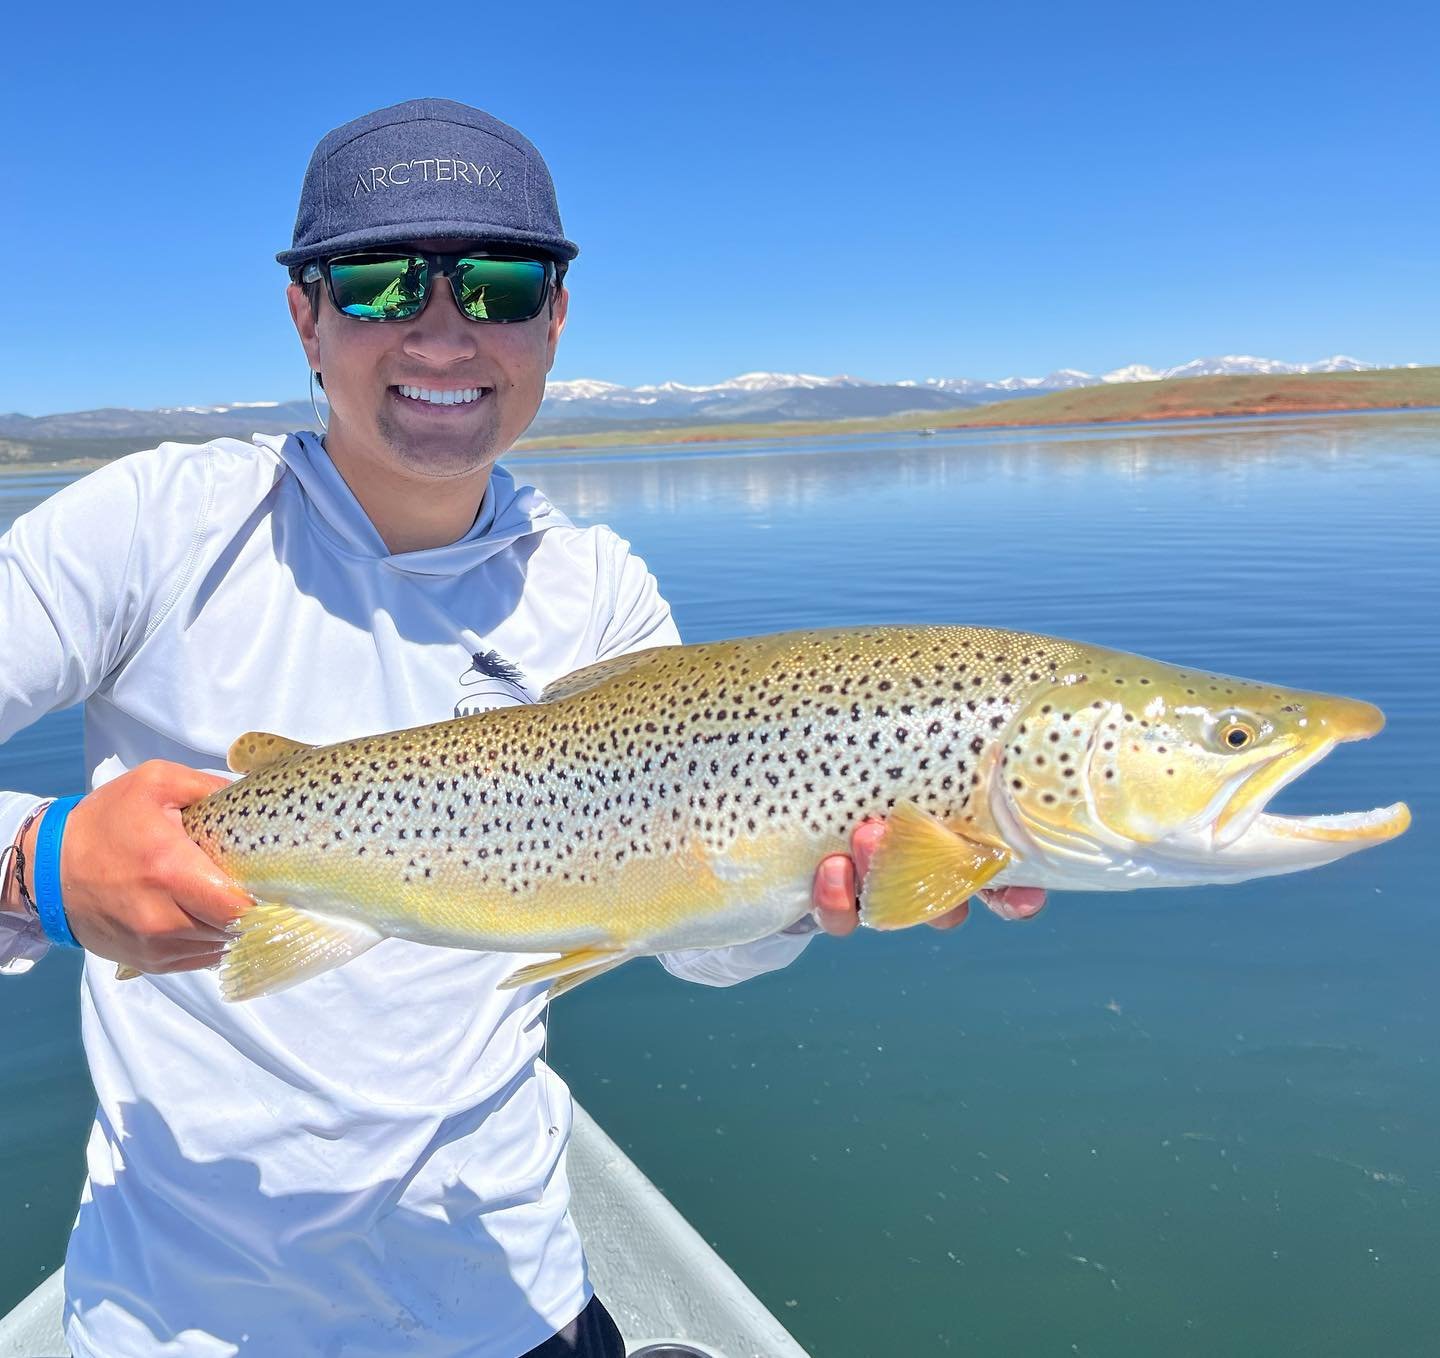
x=436, y=397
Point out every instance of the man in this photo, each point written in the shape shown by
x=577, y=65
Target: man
x=373, y=1161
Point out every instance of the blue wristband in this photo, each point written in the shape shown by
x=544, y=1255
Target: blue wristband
x=49, y=902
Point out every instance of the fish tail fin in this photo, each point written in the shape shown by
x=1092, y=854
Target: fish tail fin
x=276, y=946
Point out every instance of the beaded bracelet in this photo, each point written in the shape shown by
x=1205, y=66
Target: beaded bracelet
x=26, y=899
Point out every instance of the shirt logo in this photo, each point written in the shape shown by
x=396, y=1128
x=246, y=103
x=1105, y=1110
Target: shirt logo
x=442, y=171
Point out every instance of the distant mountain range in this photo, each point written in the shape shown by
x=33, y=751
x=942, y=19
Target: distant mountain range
x=803, y=396
x=579, y=406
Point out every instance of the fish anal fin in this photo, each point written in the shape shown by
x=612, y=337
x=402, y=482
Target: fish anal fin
x=566, y=983
x=923, y=868
x=582, y=963
x=255, y=749
x=277, y=946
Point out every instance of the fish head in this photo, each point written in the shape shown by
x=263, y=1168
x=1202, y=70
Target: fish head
x=1167, y=773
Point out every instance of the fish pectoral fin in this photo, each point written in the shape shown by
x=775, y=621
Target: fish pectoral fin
x=277, y=946
x=924, y=868
x=581, y=965
x=255, y=749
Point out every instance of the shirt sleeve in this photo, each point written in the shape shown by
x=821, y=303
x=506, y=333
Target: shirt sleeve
x=640, y=619
x=68, y=611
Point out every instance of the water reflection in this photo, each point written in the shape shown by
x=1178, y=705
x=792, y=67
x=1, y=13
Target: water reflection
x=1189, y=1121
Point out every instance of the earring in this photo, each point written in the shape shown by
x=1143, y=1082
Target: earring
x=314, y=405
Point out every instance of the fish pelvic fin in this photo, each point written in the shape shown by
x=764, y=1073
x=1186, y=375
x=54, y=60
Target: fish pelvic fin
x=124, y=973
x=277, y=946
x=255, y=749
x=924, y=868
x=567, y=971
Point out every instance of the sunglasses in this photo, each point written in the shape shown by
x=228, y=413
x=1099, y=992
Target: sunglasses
x=396, y=285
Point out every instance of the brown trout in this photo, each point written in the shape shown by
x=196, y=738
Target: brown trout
x=682, y=797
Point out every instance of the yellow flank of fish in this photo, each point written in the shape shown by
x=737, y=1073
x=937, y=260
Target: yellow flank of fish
x=681, y=797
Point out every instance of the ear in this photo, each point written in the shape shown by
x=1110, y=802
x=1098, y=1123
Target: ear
x=557, y=325
x=304, y=318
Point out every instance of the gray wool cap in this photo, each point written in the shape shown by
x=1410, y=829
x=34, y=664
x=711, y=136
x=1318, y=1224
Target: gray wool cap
x=424, y=169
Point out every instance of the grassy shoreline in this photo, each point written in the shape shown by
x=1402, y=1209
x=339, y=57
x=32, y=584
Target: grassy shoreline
x=1189, y=398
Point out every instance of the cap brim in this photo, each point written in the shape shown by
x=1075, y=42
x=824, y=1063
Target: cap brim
x=555, y=246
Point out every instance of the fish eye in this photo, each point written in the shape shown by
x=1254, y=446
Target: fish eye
x=1237, y=735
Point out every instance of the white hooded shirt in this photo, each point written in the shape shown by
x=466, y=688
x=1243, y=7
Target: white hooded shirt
x=364, y=1164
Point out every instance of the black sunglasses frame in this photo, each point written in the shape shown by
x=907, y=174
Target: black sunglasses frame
x=437, y=266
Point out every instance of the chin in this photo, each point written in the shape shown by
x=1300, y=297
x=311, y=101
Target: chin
x=440, y=455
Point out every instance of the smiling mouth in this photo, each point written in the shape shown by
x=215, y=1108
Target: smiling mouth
x=441, y=396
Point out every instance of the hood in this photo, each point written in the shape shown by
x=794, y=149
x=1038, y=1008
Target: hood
x=507, y=513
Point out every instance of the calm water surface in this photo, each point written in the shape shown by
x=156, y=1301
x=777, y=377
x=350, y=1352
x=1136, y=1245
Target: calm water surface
x=1174, y=1122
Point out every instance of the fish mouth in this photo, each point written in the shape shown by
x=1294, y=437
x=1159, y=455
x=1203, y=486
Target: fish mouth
x=1356, y=828
x=1244, y=823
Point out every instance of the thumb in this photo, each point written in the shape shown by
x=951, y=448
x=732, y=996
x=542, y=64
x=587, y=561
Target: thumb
x=176, y=786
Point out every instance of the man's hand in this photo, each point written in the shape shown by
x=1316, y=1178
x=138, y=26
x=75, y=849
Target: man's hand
x=838, y=878
x=137, y=889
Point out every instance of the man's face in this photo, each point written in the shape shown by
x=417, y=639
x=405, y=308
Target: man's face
x=365, y=363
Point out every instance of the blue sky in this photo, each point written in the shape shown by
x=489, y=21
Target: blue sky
x=897, y=190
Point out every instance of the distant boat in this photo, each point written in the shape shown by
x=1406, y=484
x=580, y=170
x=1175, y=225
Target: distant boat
x=923, y=432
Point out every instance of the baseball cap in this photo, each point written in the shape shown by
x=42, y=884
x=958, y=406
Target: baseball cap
x=423, y=169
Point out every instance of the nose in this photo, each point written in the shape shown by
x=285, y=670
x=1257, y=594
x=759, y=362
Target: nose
x=440, y=335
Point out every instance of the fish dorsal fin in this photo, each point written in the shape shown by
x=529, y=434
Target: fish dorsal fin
x=255, y=749
x=592, y=676
x=275, y=946
x=924, y=868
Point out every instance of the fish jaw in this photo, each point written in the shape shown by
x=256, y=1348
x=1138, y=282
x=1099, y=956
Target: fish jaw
x=1330, y=722
x=1247, y=841
x=1277, y=844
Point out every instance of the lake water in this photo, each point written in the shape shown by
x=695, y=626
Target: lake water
x=1171, y=1122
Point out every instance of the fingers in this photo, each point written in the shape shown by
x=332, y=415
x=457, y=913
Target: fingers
x=177, y=786
x=198, y=962
x=203, y=892
x=833, y=895
x=201, y=933
x=211, y=957
x=837, y=881
x=952, y=919
x=1014, y=902
x=864, y=841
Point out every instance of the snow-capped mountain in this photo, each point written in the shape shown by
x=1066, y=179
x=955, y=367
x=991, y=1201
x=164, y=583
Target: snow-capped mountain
x=1228, y=366
x=572, y=406
x=778, y=396
x=756, y=395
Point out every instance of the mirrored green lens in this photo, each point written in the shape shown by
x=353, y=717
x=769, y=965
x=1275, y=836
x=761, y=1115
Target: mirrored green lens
x=500, y=289
x=379, y=287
